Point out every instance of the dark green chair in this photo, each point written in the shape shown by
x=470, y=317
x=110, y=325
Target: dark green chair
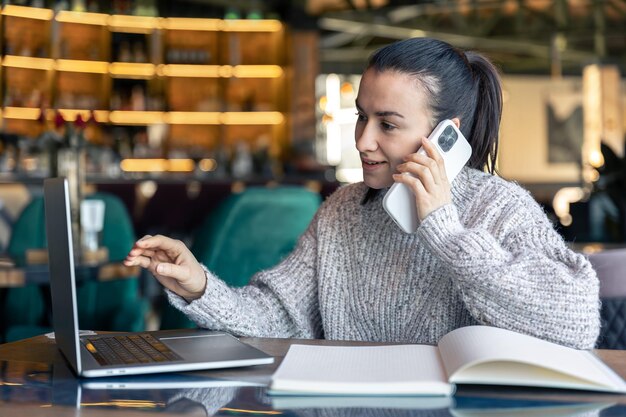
x=24, y=312
x=112, y=305
x=248, y=232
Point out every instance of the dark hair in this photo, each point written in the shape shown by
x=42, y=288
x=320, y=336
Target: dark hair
x=458, y=84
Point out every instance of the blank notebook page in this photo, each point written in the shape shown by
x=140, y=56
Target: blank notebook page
x=386, y=367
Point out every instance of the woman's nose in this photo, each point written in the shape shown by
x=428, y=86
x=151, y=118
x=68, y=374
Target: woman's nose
x=365, y=139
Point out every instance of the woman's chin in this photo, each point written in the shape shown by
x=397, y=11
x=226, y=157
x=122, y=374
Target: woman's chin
x=376, y=183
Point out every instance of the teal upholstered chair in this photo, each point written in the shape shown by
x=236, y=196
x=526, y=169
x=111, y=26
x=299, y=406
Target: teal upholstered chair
x=112, y=305
x=23, y=311
x=249, y=232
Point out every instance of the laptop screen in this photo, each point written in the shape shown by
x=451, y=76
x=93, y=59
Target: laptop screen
x=61, y=269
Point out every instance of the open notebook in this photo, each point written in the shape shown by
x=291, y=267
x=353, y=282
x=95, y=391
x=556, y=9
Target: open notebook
x=469, y=355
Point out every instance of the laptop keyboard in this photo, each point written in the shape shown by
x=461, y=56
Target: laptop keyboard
x=130, y=349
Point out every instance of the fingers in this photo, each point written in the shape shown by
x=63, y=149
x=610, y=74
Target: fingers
x=433, y=153
x=427, y=179
x=142, y=261
x=427, y=165
x=190, y=283
x=423, y=169
x=165, y=269
x=161, y=242
x=178, y=272
x=138, y=251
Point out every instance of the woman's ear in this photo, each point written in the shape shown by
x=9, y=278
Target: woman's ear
x=457, y=122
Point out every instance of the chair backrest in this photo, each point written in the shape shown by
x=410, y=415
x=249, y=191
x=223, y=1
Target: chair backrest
x=102, y=305
x=610, y=266
x=29, y=231
x=254, y=230
x=24, y=307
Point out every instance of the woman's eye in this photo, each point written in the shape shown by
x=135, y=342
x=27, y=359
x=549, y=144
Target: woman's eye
x=387, y=126
x=360, y=117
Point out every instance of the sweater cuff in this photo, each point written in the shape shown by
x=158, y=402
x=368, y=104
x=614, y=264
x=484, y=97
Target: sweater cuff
x=438, y=229
x=214, y=292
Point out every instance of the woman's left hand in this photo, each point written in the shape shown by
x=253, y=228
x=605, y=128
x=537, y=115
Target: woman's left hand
x=427, y=179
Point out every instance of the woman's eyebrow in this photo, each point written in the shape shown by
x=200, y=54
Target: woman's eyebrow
x=385, y=113
x=388, y=113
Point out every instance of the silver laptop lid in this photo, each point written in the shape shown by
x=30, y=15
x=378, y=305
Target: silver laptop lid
x=61, y=269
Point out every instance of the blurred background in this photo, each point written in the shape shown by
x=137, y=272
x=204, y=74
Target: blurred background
x=171, y=110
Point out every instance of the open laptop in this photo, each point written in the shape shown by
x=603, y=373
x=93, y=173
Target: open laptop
x=123, y=353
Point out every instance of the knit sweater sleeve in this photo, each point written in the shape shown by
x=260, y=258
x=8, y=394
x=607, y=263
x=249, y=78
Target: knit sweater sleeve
x=520, y=274
x=279, y=302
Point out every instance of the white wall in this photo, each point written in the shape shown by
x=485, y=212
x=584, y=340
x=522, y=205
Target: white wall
x=524, y=129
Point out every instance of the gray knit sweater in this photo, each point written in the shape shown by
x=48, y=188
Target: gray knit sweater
x=490, y=257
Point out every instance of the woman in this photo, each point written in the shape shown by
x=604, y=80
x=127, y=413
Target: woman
x=484, y=252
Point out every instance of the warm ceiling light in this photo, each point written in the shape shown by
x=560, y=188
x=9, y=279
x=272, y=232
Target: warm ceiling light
x=207, y=164
x=562, y=200
x=133, y=24
x=253, y=118
x=135, y=117
x=226, y=71
x=132, y=70
x=180, y=70
x=65, y=16
x=257, y=71
x=101, y=116
x=157, y=165
x=192, y=118
x=27, y=12
x=245, y=25
x=143, y=165
x=28, y=62
x=180, y=165
x=596, y=159
x=22, y=113
x=72, y=65
x=179, y=23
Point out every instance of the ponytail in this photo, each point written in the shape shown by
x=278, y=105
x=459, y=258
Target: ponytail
x=486, y=123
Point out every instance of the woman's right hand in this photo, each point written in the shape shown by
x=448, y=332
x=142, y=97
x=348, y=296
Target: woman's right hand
x=171, y=263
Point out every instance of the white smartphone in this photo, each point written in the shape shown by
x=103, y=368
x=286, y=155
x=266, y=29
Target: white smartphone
x=399, y=202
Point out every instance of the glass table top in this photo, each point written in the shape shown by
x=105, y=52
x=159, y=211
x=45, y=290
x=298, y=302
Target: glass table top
x=55, y=387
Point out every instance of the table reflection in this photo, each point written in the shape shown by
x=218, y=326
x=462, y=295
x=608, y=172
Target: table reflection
x=197, y=393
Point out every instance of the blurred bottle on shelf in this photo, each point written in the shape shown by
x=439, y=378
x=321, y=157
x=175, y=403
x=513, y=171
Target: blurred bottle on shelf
x=232, y=13
x=139, y=53
x=51, y=141
x=93, y=7
x=192, y=56
x=79, y=6
x=261, y=157
x=121, y=7
x=145, y=8
x=242, y=161
x=125, y=54
x=61, y=5
x=138, y=98
x=8, y=157
x=222, y=161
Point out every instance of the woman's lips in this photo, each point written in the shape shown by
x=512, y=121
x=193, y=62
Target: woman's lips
x=370, y=165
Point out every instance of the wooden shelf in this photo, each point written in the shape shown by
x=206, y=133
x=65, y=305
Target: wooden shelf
x=221, y=81
x=96, y=19
x=26, y=62
x=72, y=65
x=124, y=117
x=35, y=13
x=132, y=70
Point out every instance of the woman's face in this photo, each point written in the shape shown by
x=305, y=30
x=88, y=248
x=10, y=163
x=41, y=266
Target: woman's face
x=392, y=119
